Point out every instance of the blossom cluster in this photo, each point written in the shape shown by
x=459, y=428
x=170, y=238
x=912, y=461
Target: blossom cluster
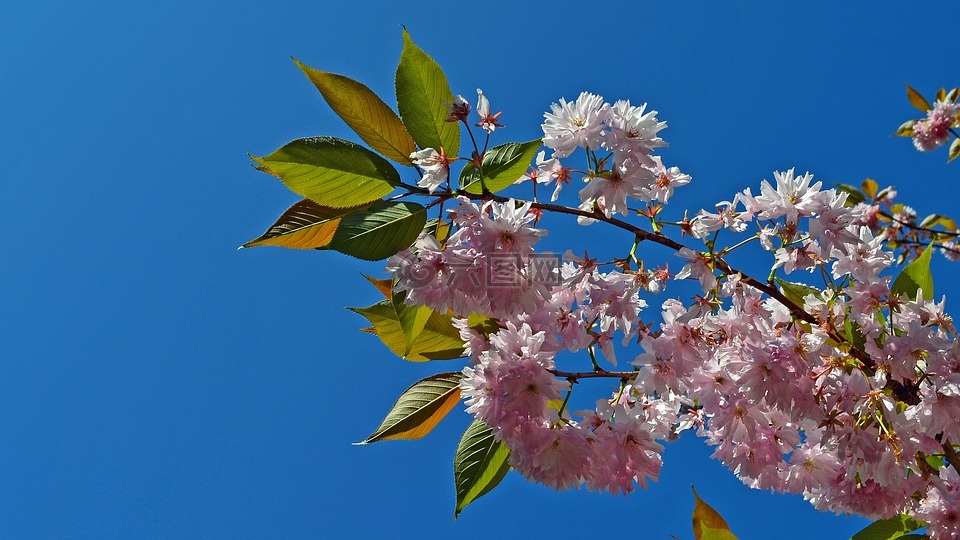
x=629, y=133
x=846, y=393
x=934, y=130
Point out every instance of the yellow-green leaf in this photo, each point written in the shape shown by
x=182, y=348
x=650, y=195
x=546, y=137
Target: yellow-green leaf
x=305, y=225
x=796, y=292
x=954, y=150
x=365, y=113
x=870, y=187
x=419, y=408
x=936, y=219
x=331, y=172
x=708, y=524
x=905, y=129
x=479, y=465
x=412, y=319
x=917, y=100
x=889, y=529
x=915, y=276
x=438, y=340
x=422, y=95
x=854, y=196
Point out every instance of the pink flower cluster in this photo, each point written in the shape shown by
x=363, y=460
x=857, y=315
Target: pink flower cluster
x=934, y=130
x=847, y=393
x=629, y=133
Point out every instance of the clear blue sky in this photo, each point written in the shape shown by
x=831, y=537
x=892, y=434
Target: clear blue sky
x=157, y=383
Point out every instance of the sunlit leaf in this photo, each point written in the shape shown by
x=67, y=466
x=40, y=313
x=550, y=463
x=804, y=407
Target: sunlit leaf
x=377, y=232
x=365, y=113
x=438, y=340
x=422, y=95
x=936, y=219
x=385, y=286
x=954, y=150
x=331, y=172
x=889, y=529
x=905, y=129
x=870, y=187
x=795, y=292
x=854, y=334
x=412, y=318
x=305, y=225
x=438, y=228
x=953, y=95
x=854, y=196
x=915, y=276
x=502, y=166
x=941, y=94
x=419, y=408
x=917, y=100
x=479, y=465
x=708, y=524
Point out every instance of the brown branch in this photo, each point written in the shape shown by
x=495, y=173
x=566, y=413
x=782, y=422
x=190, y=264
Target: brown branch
x=658, y=238
x=574, y=375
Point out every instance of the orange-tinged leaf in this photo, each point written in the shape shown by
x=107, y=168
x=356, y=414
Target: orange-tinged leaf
x=419, y=408
x=917, y=100
x=305, y=225
x=708, y=524
x=365, y=113
x=385, y=286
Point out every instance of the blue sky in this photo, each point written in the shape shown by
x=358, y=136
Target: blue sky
x=158, y=383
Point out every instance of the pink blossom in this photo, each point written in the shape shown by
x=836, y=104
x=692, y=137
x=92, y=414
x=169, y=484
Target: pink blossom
x=575, y=124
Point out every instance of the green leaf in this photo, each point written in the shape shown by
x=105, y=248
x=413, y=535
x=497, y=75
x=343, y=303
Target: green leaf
x=419, y=408
x=954, y=150
x=854, y=196
x=915, y=276
x=479, y=465
x=331, y=172
x=377, y=232
x=941, y=94
x=905, y=129
x=936, y=219
x=953, y=95
x=795, y=292
x=365, y=113
x=854, y=334
x=889, y=529
x=305, y=225
x=502, y=166
x=912, y=537
x=917, y=100
x=934, y=461
x=422, y=95
x=438, y=340
x=708, y=524
x=412, y=319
